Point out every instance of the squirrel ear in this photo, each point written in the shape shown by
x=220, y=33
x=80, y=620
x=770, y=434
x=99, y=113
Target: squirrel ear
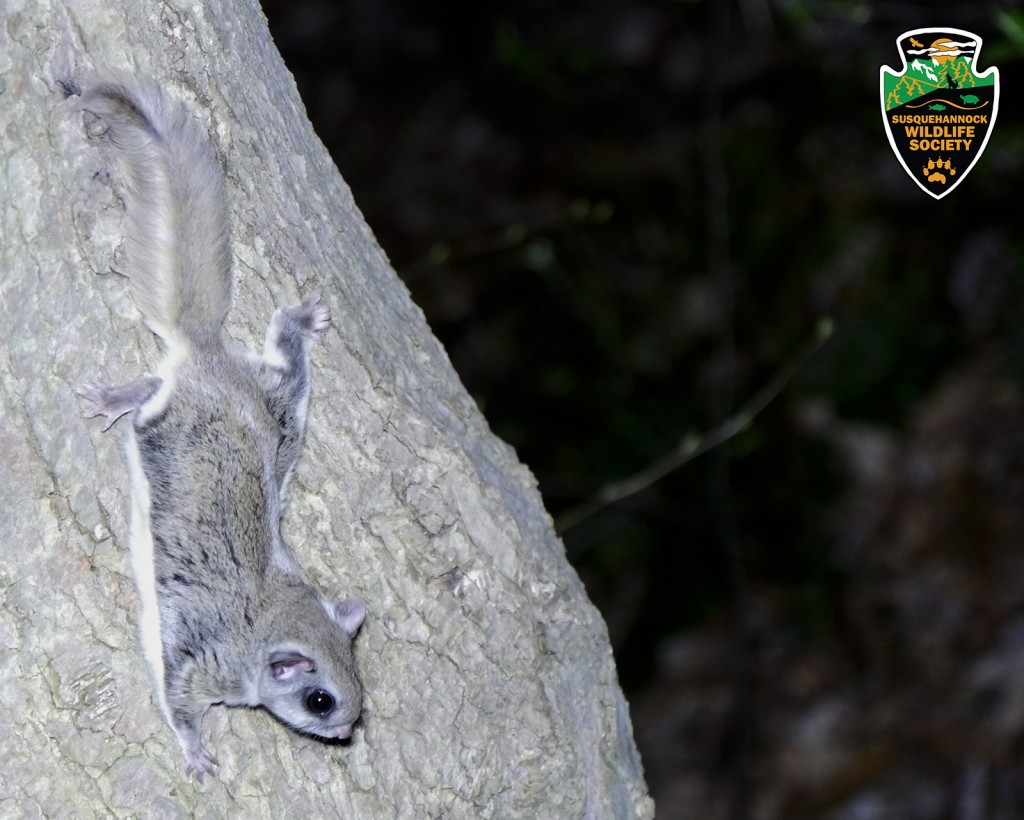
x=285, y=665
x=348, y=615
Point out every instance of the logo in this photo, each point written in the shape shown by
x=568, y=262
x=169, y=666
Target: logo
x=939, y=110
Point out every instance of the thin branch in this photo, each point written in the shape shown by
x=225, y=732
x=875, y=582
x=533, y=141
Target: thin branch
x=695, y=445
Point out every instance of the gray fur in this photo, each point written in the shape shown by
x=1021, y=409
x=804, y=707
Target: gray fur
x=226, y=616
x=178, y=236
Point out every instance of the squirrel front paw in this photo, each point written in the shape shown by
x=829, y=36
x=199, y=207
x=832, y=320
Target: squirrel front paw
x=199, y=762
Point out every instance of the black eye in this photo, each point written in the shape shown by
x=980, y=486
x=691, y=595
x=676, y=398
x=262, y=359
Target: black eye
x=319, y=702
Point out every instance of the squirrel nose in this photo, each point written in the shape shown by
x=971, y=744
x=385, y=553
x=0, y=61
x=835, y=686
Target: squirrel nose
x=340, y=732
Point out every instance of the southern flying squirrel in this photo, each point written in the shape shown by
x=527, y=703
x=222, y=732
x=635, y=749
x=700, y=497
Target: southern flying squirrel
x=225, y=614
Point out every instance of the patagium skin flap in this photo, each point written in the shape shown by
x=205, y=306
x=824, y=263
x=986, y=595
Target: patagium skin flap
x=225, y=613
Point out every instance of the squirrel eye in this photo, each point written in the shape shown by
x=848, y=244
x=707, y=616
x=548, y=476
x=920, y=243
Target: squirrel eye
x=319, y=702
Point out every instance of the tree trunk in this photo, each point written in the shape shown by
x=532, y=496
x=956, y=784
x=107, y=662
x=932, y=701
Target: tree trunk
x=490, y=685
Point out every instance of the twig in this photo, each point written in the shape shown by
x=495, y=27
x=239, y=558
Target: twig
x=694, y=445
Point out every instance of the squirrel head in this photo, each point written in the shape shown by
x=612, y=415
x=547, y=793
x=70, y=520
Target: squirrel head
x=309, y=681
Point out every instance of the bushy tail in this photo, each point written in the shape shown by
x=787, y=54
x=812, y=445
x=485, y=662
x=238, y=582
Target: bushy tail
x=178, y=231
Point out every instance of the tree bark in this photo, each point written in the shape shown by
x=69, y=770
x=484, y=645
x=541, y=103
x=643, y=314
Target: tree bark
x=490, y=685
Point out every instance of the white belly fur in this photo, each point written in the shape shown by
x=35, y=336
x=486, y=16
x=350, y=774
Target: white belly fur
x=143, y=568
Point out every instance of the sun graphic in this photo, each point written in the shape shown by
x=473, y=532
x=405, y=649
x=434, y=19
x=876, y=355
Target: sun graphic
x=942, y=48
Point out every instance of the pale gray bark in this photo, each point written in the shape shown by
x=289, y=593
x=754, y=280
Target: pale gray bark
x=490, y=686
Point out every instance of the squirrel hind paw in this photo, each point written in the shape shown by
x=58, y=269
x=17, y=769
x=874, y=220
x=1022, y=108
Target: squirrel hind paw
x=99, y=402
x=114, y=402
x=313, y=315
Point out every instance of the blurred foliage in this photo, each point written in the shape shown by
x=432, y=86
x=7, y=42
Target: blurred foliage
x=543, y=177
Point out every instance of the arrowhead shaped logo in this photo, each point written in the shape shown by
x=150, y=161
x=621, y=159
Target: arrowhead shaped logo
x=939, y=110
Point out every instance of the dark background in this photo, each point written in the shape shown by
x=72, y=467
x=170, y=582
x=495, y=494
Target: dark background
x=623, y=220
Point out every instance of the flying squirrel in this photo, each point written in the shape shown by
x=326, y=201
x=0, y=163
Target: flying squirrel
x=225, y=613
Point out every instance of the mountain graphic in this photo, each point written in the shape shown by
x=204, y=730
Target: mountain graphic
x=916, y=82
